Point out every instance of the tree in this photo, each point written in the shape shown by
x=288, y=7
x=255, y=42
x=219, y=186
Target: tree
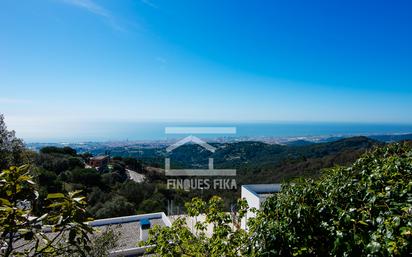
x=150, y=205
x=119, y=169
x=11, y=147
x=101, y=245
x=226, y=239
x=59, y=159
x=61, y=230
x=136, y=192
x=115, y=207
x=133, y=164
x=59, y=150
x=87, y=177
x=363, y=210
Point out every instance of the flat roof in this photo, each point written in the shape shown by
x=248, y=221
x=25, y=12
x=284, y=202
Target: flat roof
x=262, y=189
x=129, y=232
x=126, y=227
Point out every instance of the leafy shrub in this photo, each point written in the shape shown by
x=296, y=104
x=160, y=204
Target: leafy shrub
x=22, y=233
x=213, y=236
x=363, y=210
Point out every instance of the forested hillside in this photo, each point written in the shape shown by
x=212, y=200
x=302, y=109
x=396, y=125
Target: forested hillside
x=111, y=193
x=259, y=162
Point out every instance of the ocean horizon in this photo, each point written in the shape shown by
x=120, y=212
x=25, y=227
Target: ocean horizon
x=151, y=131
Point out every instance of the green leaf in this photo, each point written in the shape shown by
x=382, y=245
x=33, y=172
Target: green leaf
x=5, y=202
x=55, y=196
x=406, y=231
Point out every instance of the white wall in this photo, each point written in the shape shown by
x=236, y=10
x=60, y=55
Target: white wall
x=251, y=194
x=253, y=201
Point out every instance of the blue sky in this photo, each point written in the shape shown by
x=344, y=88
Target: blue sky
x=67, y=64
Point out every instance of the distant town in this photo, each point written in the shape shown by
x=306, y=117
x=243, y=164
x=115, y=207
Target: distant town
x=137, y=147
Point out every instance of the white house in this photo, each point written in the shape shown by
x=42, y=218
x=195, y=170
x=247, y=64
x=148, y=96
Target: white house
x=256, y=195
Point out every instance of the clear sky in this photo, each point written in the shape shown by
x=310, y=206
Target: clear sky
x=69, y=63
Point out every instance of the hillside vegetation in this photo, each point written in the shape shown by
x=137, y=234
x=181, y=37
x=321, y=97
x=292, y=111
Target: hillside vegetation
x=259, y=162
x=362, y=210
x=110, y=192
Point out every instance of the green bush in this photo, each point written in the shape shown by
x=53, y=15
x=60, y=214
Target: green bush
x=214, y=236
x=87, y=177
x=115, y=207
x=363, y=210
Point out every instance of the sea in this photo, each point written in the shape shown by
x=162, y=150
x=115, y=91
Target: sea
x=147, y=131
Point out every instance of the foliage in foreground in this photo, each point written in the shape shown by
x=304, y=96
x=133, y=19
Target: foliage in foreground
x=363, y=210
x=180, y=240
x=24, y=234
